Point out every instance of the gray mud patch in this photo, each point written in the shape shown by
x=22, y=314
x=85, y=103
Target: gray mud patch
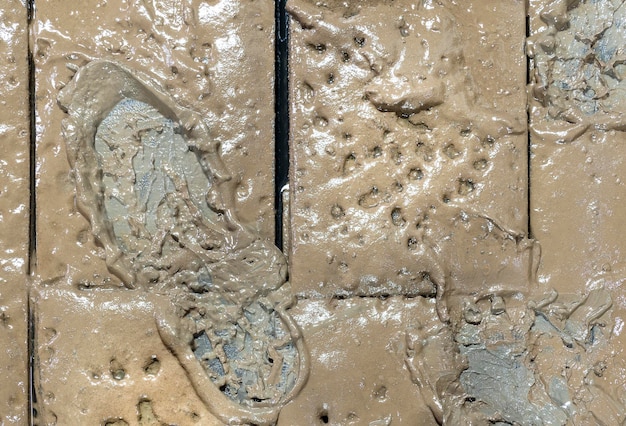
x=499, y=378
x=142, y=154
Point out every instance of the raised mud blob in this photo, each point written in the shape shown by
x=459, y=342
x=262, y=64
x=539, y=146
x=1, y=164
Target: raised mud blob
x=151, y=183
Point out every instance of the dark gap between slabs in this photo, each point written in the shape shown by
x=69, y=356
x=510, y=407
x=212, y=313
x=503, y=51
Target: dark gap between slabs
x=281, y=109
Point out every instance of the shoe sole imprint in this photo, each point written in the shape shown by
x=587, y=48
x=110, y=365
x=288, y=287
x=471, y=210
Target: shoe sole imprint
x=159, y=200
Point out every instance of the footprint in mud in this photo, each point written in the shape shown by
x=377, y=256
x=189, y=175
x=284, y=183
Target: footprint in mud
x=158, y=198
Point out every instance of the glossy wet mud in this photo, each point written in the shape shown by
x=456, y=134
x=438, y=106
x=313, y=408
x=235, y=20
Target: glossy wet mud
x=397, y=137
x=396, y=127
x=123, y=235
x=14, y=214
x=159, y=200
x=421, y=291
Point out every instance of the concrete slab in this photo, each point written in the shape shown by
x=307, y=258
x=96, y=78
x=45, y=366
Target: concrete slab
x=402, y=114
x=212, y=63
x=102, y=362
x=359, y=362
x=578, y=182
x=14, y=213
x=205, y=57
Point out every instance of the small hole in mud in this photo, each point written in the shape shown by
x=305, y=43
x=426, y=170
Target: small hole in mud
x=152, y=366
x=119, y=374
x=349, y=164
x=425, y=286
x=321, y=121
x=331, y=78
x=320, y=47
x=324, y=417
x=116, y=422
x=82, y=237
x=345, y=56
x=337, y=211
x=117, y=370
x=359, y=41
x=380, y=392
x=396, y=217
x=396, y=155
x=451, y=151
x=480, y=164
x=416, y=174
x=466, y=186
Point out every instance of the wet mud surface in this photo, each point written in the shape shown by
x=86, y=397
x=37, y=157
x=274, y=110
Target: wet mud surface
x=428, y=274
x=397, y=125
x=14, y=213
